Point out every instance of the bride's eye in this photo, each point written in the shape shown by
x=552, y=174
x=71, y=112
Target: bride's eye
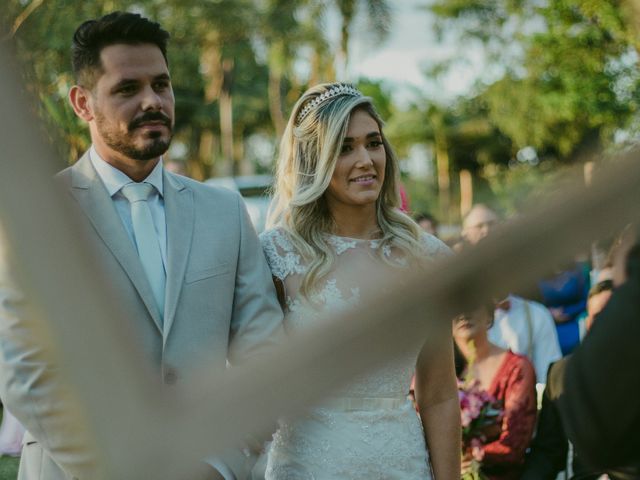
x=346, y=148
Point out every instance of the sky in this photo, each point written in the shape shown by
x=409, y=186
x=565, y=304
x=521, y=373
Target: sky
x=410, y=48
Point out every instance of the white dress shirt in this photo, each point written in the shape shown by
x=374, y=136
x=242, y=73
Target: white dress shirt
x=114, y=179
x=511, y=330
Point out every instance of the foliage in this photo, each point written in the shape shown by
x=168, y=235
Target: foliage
x=423, y=197
x=568, y=82
x=480, y=416
x=232, y=65
x=573, y=79
x=513, y=186
x=380, y=93
x=8, y=465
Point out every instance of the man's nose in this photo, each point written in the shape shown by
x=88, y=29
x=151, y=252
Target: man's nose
x=151, y=100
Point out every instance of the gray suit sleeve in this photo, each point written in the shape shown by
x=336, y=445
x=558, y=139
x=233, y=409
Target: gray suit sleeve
x=256, y=325
x=31, y=385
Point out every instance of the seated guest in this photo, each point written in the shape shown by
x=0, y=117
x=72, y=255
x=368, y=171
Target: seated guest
x=428, y=223
x=598, y=387
x=510, y=379
x=565, y=294
x=526, y=327
x=548, y=454
x=521, y=325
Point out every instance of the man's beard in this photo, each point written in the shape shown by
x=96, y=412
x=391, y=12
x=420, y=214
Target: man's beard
x=124, y=143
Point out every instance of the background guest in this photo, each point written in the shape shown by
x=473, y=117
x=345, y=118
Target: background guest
x=565, y=294
x=597, y=387
x=523, y=326
x=548, y=454
x=510, y=379
x=427, y=222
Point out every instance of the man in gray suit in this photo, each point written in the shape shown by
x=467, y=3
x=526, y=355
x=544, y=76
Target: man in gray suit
x=182, y=257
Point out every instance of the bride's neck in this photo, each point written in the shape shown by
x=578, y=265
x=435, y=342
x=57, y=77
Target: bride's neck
x=355, y=222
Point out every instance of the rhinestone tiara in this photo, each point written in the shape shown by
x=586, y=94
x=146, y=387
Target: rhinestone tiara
x=342, y=89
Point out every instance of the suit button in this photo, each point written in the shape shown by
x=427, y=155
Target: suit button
x=170, y=376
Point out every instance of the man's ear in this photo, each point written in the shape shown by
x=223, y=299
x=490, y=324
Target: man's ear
x=81, y=102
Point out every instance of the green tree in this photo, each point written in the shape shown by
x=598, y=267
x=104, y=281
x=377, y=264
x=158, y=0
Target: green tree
x=232, y=65
x=459, y=135
x=283, y=35
x=573, y=79
x=378, y=17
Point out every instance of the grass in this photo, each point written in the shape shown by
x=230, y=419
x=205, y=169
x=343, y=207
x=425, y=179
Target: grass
x=9, y=468
x=8, y=465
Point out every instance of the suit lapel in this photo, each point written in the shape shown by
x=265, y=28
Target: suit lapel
x=93, y=198
x=179, y=211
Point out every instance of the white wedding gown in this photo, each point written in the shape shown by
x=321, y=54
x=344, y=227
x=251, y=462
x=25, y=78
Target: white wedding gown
x=369, y=429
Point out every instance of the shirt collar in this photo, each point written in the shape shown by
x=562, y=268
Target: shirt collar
x=115, y=179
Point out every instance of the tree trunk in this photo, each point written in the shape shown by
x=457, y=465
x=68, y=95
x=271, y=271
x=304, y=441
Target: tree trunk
x=275, y=102
x=241, y=166
x=347, y=11
x=226, y=118
x=211, y=65
x=204, y=159
x=322, y=69
x=444, y=182
x=276, y=69
x=632, y=10
x=466, y=192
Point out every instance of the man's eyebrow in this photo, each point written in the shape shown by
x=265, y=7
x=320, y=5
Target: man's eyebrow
x=133, y=81
x=124, y=82
x=369, y=135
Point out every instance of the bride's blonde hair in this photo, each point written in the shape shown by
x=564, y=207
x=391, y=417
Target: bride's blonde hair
x=307, y=157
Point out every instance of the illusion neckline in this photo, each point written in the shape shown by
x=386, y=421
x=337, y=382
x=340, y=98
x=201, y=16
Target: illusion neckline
x=354, y=239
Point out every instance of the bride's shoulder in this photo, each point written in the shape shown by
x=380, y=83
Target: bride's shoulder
x=433, y=246
x=282, y=256
x=277, y=238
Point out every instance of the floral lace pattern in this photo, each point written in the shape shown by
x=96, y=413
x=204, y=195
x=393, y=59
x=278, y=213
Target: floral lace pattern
x=342, y=244
x=280, y=253
x=329, y=443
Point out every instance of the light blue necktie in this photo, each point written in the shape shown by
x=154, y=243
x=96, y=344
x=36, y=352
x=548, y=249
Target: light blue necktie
x=146, y=238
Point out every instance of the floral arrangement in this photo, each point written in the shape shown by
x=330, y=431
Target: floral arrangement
x=480, y=415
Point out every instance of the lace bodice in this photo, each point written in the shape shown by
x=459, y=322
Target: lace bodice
x=356, y=262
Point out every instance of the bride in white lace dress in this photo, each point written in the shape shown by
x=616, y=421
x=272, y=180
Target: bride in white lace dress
x=336, y=226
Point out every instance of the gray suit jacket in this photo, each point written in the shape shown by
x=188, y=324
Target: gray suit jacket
x=220, y=305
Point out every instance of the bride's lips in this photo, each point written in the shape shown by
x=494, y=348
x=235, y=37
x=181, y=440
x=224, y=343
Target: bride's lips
x=364, y=180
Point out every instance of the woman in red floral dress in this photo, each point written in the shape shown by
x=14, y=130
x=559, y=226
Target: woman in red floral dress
x=510, y=379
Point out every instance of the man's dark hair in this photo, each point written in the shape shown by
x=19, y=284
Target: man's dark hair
x=117, y=27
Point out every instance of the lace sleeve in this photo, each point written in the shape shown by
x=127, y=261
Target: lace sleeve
x=434, y=247
x=519, y=416
x=281, y=256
